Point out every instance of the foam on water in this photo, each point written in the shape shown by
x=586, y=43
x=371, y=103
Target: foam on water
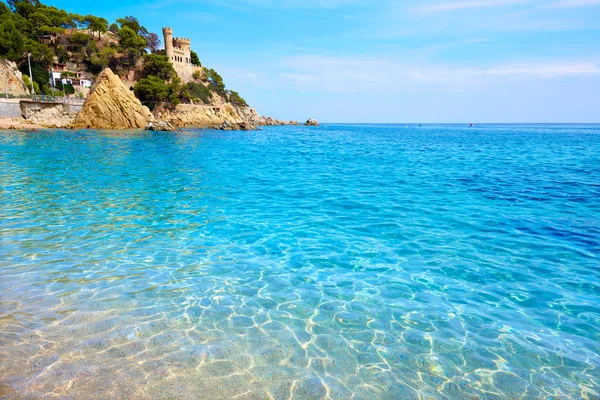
x=346, y=261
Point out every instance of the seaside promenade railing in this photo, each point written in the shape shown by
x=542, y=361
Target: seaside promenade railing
x=41, y=98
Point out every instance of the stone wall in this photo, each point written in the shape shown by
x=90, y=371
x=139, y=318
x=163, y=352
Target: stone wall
x=49, y=114
x=10, y=108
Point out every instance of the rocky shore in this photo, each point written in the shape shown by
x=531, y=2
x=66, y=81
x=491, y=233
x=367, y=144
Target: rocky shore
x=111, y=105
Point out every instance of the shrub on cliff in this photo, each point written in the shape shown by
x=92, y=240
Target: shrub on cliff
x=236, y=99
x=27, y=83
x=196, y=91
x=194, y=58
x=153, y=90
x=216, y=81
x=69, y=88
x=41, y=76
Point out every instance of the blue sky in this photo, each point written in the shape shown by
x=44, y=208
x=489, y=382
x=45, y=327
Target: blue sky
x=392, y=61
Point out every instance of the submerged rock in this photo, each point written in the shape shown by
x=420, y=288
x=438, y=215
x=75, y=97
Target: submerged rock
x=311, y=122
x=111, y=105
x=161, y=126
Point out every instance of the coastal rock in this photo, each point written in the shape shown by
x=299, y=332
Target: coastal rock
x=111, y=105
x=12, y=79
x=250, y=115
x=237, y=126
x=311, y=122
x=161, y=126
x=199, y=116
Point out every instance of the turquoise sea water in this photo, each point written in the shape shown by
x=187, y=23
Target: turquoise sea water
x=345, y=261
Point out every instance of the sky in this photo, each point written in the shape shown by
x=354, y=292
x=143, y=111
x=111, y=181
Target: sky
x=411, y=61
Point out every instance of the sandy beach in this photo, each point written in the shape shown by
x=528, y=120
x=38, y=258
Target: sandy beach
x=17, y=123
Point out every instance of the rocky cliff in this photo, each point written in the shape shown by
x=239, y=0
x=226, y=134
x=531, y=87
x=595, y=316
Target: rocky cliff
x=199, y=116
x=11, y=79
x=218, y=115
x=111, y=105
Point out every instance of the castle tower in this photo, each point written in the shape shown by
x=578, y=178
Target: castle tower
x=179, y=52
x=168, y=36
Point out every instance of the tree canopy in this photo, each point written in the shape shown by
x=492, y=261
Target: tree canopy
x=158, y=65
x=194, y=58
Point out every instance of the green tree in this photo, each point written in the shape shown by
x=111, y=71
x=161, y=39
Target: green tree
x=194, y=58
x=133, y=24
x=114, y=28
x=216, y=81
x=151, y=90
x=27, y=82
x=40, y=52
x=25, y=7
x=174, y=91
x=15, y=3
x=236, y=99
x=106, y=58
x=80, y=39
x=131, y=43
x=11, y=42
x=96, y=24
x=196, y=91
x=69, y=88
x=41, y=76
x=40, y=22
x=158, y=65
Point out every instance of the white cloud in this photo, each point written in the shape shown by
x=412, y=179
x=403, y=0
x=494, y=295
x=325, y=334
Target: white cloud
x=315, y=73
x=464, y=5
x=573, y=3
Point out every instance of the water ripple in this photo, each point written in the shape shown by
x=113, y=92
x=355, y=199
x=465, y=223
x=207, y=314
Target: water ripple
x=347, y=261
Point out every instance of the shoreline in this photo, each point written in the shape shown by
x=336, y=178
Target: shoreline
x=7, y=124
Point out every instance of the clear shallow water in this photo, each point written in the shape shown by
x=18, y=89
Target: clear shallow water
x=342, y=261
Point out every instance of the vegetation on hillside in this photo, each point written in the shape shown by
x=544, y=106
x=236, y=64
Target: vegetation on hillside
x=52, y=35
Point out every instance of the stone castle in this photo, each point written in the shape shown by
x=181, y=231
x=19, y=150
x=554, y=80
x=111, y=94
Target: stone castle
x=178, y=51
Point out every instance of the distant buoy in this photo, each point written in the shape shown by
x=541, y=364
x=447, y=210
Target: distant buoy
x=471, y=125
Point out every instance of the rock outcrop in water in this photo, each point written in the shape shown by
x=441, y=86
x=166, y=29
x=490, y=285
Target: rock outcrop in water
x=161, y=127
x=237, y=126
x=111, y=105
x=311, y=122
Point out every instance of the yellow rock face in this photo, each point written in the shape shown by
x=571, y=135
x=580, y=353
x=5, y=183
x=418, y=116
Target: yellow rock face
x=201, y=116
x=111, y=105
x=11, y=81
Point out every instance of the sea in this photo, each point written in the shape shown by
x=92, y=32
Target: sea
x=344, y=261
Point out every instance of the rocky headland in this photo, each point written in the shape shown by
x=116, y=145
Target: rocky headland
x=111, y=105
x=144, y=85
